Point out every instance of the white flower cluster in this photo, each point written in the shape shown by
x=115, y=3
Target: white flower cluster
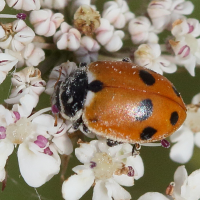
x=39, y=141
x=167, y=14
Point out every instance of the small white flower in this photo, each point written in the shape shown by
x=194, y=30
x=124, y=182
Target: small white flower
x=149, y=55
x=46, y=22
x=88, y=52
x=16, y=35
x=117, y=13
x=62, y=71
x=141, y=31
x=2, y=5
x=186, y=46
x=55, y=4
x=67, y=37
x=26, y=5
x=108, y=37
x=33, y=55
x=7, y=62
x=17, y=55
x=26, y=81
x=107, y=167
x=30, y=56
x=38, y=154
x=164, y=13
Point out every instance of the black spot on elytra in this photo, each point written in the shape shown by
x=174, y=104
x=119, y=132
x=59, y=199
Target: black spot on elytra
x=144, y=110
x=174, y=118
x=147, y=133
x=146, y=77
x=112, y=143
x=126, y=59
x=176, y=92
x=95, y=86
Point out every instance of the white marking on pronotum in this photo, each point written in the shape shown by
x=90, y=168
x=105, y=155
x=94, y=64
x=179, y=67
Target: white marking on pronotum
x=89, y=97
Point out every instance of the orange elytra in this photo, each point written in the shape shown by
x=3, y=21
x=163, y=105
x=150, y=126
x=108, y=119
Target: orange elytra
x=120, y=101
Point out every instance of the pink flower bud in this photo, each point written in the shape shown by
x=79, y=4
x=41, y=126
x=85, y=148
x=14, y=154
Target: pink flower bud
x=45, y=22
x=67, y=37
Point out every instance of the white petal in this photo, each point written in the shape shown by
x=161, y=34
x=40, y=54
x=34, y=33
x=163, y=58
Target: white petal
x=124, y=180
x=2, y=76
x=27, y=103
x=116, y=191
x=153, y=196
x=182, y=151
x=7, y=62
x=77, y=185
x=63, y=144
x=85, y=152
x=196, y=99
x=100, y=191
x=197, y=139
x=37, y=168
x=2, y=174
x=194, y=184
x=2, y=4
x=180, y=176
x=80, y=168
x=114, y=44
x=6, y=148
x=137, y=164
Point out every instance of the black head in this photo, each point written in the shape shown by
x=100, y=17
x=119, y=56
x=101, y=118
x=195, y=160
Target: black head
x=71, y=93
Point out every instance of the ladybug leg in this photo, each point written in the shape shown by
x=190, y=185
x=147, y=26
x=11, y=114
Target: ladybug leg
x=85, y=129
x=112, y=143
x=77, y=123
x=126, y=59
x=136, y=149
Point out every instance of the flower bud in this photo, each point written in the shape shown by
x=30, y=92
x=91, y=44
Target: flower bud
x=86, y=19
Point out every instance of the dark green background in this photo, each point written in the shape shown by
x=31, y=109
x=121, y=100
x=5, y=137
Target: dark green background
x=159, y=169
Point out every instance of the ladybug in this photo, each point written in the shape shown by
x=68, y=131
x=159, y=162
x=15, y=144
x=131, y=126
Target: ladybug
x=120, y=101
